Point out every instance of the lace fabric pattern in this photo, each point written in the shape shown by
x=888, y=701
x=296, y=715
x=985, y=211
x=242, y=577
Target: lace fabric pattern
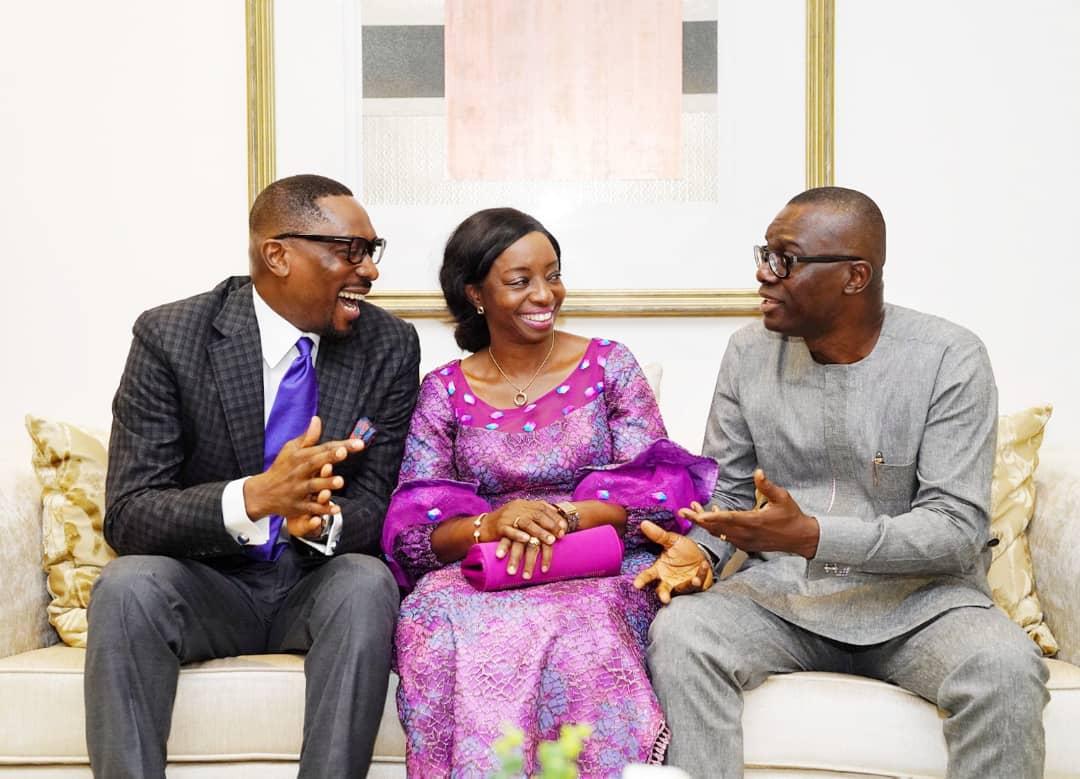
x=539, y=657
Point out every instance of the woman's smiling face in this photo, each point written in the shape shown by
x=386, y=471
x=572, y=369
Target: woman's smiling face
x=523, y=291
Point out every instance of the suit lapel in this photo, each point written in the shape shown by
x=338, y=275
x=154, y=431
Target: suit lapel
x=341, y=386
x=237, y=364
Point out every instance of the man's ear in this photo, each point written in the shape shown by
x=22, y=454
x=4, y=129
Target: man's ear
x=275, y=257
x=860, y=274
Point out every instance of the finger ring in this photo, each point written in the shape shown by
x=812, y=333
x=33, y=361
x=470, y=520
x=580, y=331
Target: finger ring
x=534, y=541
x=723, y=537
x=515, y=525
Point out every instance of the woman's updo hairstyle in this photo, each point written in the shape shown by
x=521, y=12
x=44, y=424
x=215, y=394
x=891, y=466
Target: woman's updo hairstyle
x=472, y=249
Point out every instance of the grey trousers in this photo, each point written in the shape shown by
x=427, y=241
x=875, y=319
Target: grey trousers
x=150, y=614
x=983, y=670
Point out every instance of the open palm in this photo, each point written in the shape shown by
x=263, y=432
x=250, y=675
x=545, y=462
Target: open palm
x=681, y=567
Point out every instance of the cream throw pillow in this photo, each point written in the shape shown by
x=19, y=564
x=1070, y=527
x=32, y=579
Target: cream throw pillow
x=1012, y=503
x=70, y=464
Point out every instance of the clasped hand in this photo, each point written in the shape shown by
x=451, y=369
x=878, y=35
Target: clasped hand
x=300, y=481
x=514, y=524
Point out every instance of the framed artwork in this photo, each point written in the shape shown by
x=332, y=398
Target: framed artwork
x=636, y=130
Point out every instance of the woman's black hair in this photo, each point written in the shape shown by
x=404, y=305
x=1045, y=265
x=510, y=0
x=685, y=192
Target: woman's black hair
x=472, y=249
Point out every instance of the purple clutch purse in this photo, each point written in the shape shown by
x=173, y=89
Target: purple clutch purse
x=597, y=551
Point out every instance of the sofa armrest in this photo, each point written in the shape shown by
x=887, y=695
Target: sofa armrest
x=1054, y=536
x=24, y=623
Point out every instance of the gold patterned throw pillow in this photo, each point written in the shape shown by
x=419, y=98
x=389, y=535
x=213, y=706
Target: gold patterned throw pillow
x=1012, y=503
x=70, y=464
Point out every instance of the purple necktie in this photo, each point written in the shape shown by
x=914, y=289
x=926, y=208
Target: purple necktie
x=296, y=403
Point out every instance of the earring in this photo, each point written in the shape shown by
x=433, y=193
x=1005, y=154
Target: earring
x=480, y=310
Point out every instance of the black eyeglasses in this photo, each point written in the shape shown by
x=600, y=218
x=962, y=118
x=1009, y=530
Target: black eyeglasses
x=359, y=248
x=780, y=262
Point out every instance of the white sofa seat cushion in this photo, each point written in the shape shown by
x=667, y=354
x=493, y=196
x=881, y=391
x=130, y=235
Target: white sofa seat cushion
x=838, y=723
x=250, y=708
x=233, y=709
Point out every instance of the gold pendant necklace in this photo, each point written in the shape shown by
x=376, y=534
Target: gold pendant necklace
x=520, y=399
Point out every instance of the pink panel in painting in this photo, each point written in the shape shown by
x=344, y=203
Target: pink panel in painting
x=563, y=89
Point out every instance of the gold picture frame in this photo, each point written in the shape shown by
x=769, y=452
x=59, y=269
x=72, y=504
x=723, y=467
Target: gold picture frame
x=820, y=35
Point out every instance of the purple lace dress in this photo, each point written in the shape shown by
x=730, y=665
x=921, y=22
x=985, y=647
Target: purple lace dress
x=542, y=656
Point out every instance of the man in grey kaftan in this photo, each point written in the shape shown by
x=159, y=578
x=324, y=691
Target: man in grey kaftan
x=867, y=431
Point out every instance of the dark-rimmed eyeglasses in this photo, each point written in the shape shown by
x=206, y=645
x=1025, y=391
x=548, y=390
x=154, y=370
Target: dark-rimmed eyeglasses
x=359, y=248
x=780, y=262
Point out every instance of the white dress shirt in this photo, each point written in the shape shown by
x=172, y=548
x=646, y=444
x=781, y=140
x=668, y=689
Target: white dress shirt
x=278, y=339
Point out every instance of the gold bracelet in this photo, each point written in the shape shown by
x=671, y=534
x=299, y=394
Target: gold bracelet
x=476, y=523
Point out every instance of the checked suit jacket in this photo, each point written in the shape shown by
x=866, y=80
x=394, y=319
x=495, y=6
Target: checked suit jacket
x=188, y=418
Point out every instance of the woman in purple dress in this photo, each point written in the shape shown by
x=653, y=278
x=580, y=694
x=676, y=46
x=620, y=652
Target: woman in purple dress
x=538, y=433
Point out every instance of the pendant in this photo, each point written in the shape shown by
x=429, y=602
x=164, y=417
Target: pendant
x=520, y=399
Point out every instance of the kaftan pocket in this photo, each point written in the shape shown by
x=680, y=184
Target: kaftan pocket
x=892, y=487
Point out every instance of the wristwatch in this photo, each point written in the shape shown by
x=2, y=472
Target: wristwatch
x=569, y=512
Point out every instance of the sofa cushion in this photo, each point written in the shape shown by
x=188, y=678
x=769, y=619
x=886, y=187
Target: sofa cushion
x=234, y=709
x=1054, y=536
x=810, y=720
x=23, y=597
x=1012, y=504
x=840, y=723
x=70, y=464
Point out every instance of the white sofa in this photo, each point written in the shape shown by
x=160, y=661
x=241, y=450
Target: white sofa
x=798, y=725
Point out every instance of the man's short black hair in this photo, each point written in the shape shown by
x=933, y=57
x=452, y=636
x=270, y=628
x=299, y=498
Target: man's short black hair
x=849, y=202
x=289, y=204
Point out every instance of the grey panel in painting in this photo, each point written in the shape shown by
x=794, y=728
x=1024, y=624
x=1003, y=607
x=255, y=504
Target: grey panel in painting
x=408, y=60
x=403, y=61
x=699, y=58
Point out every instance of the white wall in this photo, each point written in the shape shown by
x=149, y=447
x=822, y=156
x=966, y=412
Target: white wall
x=123, y=184
x=962, y=119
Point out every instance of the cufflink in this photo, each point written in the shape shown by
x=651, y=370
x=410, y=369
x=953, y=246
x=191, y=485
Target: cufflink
x=324, y=529
x=836, y=570
x=242, y=539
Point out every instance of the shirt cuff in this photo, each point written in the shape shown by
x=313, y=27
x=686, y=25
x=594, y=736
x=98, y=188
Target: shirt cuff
x=846, y=540
x=719, y=552
x=844, y=543
x=328, y=546
x=243, y=530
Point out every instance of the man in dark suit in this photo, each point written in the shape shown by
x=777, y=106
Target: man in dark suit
x=231, y=545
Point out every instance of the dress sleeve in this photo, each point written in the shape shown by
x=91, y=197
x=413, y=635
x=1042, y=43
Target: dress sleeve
x=429, y=446
x=650, y=476
x=633, y=414
x=428, y=491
